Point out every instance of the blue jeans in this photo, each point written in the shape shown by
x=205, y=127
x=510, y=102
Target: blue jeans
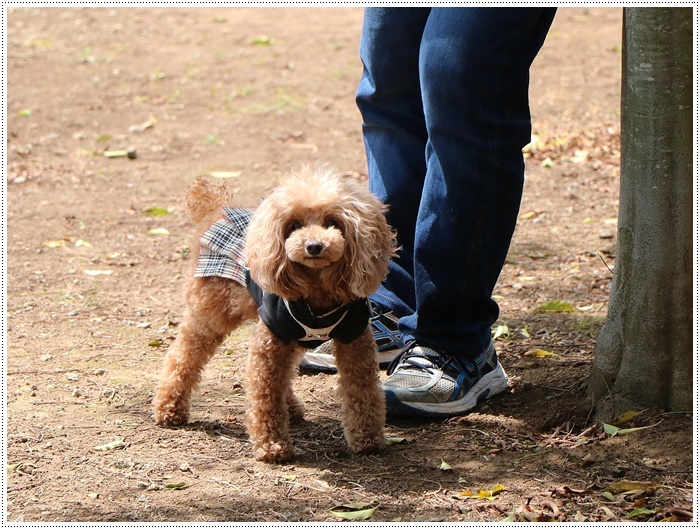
x=444, y=102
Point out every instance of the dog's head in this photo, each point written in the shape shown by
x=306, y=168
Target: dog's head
x=320, y=233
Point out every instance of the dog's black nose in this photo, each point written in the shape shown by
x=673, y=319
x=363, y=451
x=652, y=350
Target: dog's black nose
x=314, y=248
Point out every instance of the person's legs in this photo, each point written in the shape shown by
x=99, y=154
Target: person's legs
x=444, y=101
x=474, y=74
x=395, y=134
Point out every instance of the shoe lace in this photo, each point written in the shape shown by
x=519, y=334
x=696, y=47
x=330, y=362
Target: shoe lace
x=414, y=357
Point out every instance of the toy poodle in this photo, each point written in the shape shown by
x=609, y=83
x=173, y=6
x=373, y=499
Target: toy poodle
x=303, y=263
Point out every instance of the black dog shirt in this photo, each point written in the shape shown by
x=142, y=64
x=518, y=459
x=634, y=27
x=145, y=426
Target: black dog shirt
x=222, y=254
x=293, y=320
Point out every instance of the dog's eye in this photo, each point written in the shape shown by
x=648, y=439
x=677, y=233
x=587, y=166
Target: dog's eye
x=330, y=223
x=292, y=227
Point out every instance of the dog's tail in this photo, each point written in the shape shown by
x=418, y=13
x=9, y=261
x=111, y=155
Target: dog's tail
x=204, y=198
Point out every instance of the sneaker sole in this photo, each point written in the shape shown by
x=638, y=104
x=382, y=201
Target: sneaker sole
x=325, y=363
x=490, y=385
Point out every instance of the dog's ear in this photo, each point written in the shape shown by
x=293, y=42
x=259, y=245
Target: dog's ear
x=369, y=244
x=265, y=252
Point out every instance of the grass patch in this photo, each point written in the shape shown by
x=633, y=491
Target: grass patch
x=588, y=324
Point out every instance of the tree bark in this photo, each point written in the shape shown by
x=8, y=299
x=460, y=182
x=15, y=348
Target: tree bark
x=644, y=354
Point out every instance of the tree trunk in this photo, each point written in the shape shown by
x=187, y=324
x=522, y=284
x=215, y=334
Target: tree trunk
x=644, y=354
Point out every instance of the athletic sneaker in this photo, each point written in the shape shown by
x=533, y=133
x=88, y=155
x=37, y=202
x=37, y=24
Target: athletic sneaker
x=425, y=382
x=385, y=327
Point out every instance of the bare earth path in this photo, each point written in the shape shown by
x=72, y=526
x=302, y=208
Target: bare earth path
x=96, y=249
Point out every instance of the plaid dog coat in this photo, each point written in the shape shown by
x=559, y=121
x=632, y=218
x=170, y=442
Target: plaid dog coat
x=222, y=254
x=222, y=247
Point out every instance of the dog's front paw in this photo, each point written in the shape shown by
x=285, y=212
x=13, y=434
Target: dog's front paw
x=274, y=453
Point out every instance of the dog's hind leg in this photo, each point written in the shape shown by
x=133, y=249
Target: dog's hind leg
x=272, y=366
x=296, y=408
x=215, y=307
x=362, y=404
x=182, y=370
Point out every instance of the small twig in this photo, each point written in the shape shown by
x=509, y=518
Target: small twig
x=432, y=482
x=40, y=372
x=473, y=430
x=99, y=388
x=325, y=454
x=226, y=483
x=533, y=454
x=421, y=461
x=606, y=264
x=588, y=431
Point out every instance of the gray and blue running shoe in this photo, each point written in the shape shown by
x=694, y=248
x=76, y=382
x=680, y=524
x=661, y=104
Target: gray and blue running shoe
x=424, y=382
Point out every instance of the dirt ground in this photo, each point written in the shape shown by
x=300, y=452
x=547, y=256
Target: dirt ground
x=96, y=255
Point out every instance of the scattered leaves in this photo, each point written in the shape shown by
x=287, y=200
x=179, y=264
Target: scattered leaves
x=262, y=40
x=556, y=305
x=21, y=467
x=576, y=492
x=143, y=126
x=355, y=511
x=158, y=232
x=612, y=431
x=157, y=211
x=608, y=496
x=444, y=465
x=117, y=443
x=540, y=353
x=625, y=417
x=530, y=215
x=500, y=331
x=627, y=485
x=580, y=156
x=176, y=486
x=98, y=272
x=483, y=493
x=55, y=244
x=640, y=512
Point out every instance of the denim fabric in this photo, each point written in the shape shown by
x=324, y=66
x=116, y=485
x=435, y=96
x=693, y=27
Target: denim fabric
x=444, y=102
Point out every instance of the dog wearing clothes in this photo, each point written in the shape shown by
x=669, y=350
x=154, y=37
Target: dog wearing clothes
x=303, y=263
